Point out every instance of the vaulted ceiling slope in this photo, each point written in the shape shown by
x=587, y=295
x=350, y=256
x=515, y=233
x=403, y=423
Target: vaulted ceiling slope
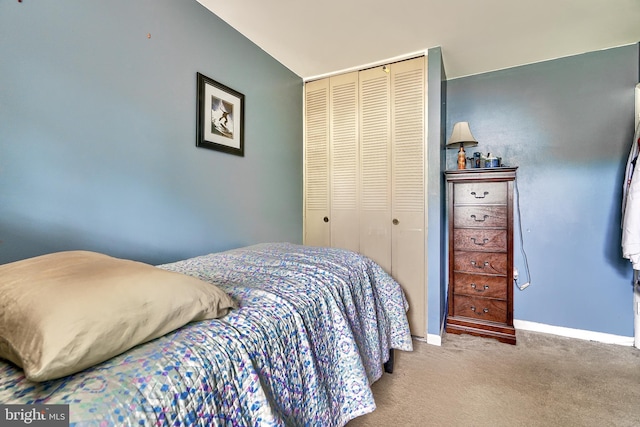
x=316, y=38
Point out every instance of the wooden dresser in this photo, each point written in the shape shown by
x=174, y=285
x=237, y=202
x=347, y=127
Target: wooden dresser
x=480, y=208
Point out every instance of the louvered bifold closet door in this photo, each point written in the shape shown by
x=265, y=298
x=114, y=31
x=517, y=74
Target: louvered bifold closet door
x=316, y=164
x=375, y=166
x=344, y=161
x=408, y=106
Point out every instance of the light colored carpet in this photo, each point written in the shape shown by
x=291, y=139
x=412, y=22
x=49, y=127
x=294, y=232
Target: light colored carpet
x=544, y=380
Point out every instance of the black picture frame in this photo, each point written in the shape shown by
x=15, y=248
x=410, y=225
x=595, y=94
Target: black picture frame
x=220, y=117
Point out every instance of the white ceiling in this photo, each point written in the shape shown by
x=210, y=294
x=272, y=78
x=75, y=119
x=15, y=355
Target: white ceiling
x=315, y=38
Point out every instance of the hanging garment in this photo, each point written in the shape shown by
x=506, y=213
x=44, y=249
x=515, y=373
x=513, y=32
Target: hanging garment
x=631, y=163
x=631, y=206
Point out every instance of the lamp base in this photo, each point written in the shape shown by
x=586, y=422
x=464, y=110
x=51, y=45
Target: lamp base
x=462, y=158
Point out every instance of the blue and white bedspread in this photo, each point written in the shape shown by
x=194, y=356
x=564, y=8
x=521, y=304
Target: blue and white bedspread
x=313, y=328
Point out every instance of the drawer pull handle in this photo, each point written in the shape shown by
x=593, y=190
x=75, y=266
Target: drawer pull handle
x=484, y=241
x=484, y=194
x=473, y=263
x=484, y=310
x=484, y=288
x=480, y=220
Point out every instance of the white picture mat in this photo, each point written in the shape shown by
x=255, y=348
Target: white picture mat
x=210, y=91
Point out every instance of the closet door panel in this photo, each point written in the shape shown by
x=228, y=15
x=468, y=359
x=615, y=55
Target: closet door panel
x=344, y=161
x=365, y=171
x=408, y=270
x=375, y=166
x=408, y=94
x=316, y=164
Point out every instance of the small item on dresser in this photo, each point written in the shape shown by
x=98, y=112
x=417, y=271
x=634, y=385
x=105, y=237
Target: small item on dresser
x=476, y=159
x=491, y=161
x=471, y=163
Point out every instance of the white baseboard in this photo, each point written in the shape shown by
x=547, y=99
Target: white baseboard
x=573, y=333
x=434, y=339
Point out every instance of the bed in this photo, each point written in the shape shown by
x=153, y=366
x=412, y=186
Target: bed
x=310, y=333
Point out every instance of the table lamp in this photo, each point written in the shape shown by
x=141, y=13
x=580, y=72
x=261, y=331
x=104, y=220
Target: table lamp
x=461, y=135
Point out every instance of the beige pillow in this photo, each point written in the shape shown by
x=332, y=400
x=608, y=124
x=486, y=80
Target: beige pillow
x=63, y=312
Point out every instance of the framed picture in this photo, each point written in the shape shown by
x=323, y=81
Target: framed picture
x=220, y=117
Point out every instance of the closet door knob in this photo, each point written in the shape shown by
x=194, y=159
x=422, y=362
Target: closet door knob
x=395, y=222
x=325, y=219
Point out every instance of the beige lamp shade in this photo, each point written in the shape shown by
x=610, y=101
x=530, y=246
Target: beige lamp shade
x=461, y=136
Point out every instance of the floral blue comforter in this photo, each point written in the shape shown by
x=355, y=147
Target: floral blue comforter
x=313, y=328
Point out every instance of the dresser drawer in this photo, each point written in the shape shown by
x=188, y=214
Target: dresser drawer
x=467, y=239
x=480, y=193
x=480, y=216
x=480, y=285
x=480, y=262
x=478, y=308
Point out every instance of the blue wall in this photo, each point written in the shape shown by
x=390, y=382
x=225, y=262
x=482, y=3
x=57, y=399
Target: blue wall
x=436, y=214
x=97, y=133
x=568, y=125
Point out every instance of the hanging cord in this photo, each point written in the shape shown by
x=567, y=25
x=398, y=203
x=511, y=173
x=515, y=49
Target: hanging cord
x=524, y=254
